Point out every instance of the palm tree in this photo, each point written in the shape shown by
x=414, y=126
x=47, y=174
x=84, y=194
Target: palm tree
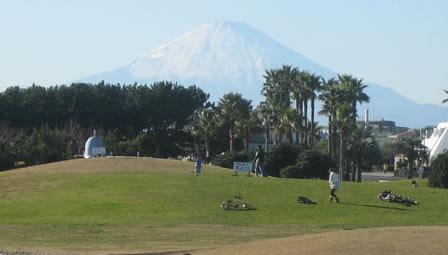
x=290, y=122
x=314, y=85
x=276, y=90
x=446, y=99
x=264, y=116
x=351, y=92
x=315, y=130
x=361, y=142
x=305, y=79
x=233, y=107
x=244, y=128
x=413, y=150
x=355, y=91
x=204, y=122
x=299, y=93
x=330, y=98
x=344, y=125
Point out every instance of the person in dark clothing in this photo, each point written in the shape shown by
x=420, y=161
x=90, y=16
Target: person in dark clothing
x=258, y=162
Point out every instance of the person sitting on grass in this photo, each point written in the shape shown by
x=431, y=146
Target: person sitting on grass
x=333, y=180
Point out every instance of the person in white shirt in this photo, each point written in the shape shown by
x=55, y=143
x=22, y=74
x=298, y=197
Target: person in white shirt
x=334, y=185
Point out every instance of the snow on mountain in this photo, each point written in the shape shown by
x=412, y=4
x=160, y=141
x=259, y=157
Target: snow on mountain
x=222, y=57
x=219, y=57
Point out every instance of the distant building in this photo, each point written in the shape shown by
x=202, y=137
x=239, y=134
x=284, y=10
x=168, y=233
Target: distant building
x=94, y=147
x=438, y=141
x=385, y=130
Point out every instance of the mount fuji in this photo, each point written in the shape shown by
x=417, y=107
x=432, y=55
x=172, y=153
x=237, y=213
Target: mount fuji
x=224, y=56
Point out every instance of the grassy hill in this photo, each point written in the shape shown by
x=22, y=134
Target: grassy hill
x=132, y=204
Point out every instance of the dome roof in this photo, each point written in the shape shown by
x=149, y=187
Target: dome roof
x=94, y=147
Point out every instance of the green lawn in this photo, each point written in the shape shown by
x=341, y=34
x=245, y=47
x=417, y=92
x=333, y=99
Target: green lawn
x=150, y=210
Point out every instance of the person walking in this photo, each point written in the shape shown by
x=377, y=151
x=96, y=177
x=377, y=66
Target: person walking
x=258, y=162
x=333, y=180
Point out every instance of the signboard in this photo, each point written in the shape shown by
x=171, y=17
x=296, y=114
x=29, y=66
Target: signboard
x=242, y=166
x=98, y=151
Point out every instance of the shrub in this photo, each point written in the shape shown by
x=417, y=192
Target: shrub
x=311, y=164
x=226, y=159
x=438, y=177
x=315, y=164
x=294, y=171
x=281, y=157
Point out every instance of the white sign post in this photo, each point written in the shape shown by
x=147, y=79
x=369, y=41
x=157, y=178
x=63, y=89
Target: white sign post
x=98, y=151
x=242, y=167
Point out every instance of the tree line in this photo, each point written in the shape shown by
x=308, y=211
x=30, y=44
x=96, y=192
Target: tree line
x=165, y=119
x=39, y=124
x=351, y=145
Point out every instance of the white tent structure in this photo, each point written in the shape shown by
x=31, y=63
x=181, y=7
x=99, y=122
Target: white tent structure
x=438, y=141
x=94, y=147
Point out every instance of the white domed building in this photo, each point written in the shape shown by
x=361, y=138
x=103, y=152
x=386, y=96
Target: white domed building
x=94, y=147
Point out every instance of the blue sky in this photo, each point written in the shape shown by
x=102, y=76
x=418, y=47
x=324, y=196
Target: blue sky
x=402, y=44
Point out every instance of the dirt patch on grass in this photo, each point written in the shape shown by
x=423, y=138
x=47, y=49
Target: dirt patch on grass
x=390, y=240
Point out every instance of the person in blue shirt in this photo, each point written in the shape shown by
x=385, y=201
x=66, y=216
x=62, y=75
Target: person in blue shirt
x=198, y=165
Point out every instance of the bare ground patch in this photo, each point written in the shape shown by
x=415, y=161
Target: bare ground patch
x=373, y=241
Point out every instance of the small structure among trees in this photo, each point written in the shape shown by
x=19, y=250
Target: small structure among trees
x=94, y=147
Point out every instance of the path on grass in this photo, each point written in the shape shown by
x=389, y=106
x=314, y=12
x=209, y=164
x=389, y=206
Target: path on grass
x=373, y=241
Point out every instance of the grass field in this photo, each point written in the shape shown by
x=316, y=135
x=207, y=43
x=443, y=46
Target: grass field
x=144, y=204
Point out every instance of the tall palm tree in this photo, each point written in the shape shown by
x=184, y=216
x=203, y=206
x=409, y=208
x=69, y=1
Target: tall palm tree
x=351, y=92
x=361, y=141
x=290, y=122
x=233, y=107
x=330, y=98
x=299, y=94
x=315, y=131
x=345, y=126
x=414, y=150
x=305, y=80
x=355, y=92
x=204, y=122
x=314, y=86
x=276, y=89
x=244, y=128
x=264, y=115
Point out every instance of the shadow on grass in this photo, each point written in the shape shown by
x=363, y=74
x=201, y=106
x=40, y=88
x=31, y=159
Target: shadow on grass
x=376, y=206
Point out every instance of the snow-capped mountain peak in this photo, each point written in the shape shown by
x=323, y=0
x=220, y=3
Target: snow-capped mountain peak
x=224, y=56
x=219, y=57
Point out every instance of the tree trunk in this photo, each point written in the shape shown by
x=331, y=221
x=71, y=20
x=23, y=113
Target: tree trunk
x=354, y=112
x=288, y=136
x=354, y=168
x=359, y=172
x=207, y=147
x=333, y=136
x=299, y=113
x=266, y=138
x=306, y=120
x=231, y=139
x=302, y=120
x=246, y=144
x=410, y=175
x=312, y=122
x=341, y=157
x=330, y=139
